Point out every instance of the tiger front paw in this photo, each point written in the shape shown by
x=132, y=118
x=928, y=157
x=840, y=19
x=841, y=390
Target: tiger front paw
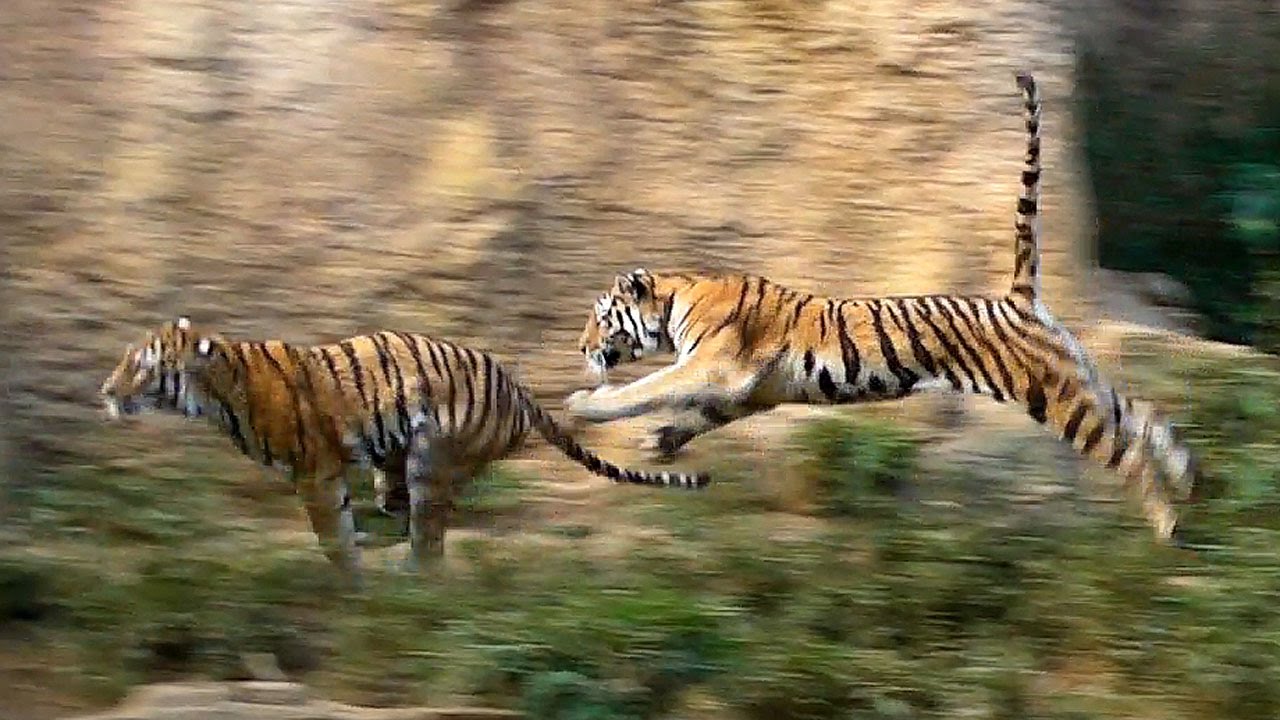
x=582, y=404
x=666, y=443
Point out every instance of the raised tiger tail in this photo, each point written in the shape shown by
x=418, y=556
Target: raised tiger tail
x=555, y=435
x=1026, y=249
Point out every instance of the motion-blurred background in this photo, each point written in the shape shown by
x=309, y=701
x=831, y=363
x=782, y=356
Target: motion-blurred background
x=480, y=170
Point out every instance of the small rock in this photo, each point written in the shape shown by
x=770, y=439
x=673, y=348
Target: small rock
x=262, y=692
x=263, y=666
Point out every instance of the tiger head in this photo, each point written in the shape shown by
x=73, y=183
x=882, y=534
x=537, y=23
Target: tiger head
x=625, y=323
x=155, y=373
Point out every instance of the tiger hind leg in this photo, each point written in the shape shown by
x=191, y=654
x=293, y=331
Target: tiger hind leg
x=391, y=492
x=391, y=500
x=430, y=483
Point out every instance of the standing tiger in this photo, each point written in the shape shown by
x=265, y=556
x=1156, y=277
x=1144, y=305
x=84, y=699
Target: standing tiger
x=425, y=412
x=744, y=345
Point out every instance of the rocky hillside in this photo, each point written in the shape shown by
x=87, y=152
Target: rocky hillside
x=480, y=169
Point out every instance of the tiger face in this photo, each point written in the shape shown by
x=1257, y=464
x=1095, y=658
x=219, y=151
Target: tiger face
x=625, y=323
x=154, y=373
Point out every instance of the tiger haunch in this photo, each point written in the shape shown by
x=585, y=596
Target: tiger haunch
x=744, y=345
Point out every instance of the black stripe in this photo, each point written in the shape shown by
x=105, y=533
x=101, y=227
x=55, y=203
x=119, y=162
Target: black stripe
x=383, y=344
x=357, y=370
x=795, y=315
x=300, y=436
x=1117, y=452
x=466, y=359
x=383, y=442
x=753, y=312
x=973, y=324
x=949, y=314
x=1093, y=438
x=1024, y=335
x=729, y=319
x=1067, y=390
x=482, y=425
x=1005, y=338
x=826, y=384
x=848, y=350
x=451, y=375
x=680, y=329
x=996, y=358
x=233, y=422
x=506, y=419
x=1026, y=206
x=424, y=382
x=918, y=349
x=332, y=366
x=891, y=306
x=1037, y=403
x=906, y=377
x=1073, y=423
x=236, y=433
x=243, y=375
x=1022, y=257
x=357, y=376
x=301, y=360
x=953, y=352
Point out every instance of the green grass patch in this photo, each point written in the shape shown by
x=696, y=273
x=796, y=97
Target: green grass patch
x=803, y=585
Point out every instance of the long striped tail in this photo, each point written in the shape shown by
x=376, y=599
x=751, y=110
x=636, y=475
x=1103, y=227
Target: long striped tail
x=1026, y=249
x=553, y=433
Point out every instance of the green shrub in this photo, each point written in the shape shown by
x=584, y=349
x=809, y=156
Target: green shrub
x=26, y=590
x=856, y=467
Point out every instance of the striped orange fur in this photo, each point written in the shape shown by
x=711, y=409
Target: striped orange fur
x=744, y=345
x=427, y=412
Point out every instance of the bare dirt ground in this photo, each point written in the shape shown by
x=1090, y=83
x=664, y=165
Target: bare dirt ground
x=481, y=170
x=260, y=700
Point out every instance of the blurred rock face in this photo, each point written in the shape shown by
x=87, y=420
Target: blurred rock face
x=480, y=170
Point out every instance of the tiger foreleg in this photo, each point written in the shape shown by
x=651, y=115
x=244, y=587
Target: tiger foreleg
x=381, y=486
x=667, y=440
x=328, y=503
x=680, y=386
x=430, y=499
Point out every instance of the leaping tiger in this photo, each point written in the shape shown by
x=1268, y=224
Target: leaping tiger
x=744, y=345
x=427, y=412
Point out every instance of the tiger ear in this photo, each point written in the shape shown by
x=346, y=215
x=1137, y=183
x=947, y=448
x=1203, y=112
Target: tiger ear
x=202, y=351
x=631, y=286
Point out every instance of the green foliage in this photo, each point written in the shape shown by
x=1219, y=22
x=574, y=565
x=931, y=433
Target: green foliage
x=24, y=591
x=1182, y=144
x=856, y=467
x=497, y=490
x=755, y=610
